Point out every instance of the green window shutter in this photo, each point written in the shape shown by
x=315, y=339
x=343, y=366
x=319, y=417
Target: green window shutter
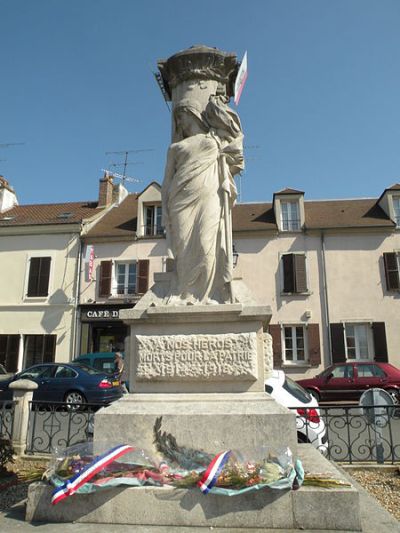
x=380, y=345
x=300, y=272
x=275, y=332
x=288, y=273
x=391, y=271
x=338, y=346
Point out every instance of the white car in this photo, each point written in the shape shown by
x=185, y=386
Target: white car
x=309, y=424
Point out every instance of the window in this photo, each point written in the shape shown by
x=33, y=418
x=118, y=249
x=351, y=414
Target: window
x=39, y=274
x=359, y=344
x=294, y=273
x=294, y=344
x=341, y=372
x=391, y=262
x=65, y=372
x=44, y=371
x=370, y=371
x=39, y=349
x=9, y=349
x=396, y=209
x=125, y=278
x=152, y=220
x=290, y=216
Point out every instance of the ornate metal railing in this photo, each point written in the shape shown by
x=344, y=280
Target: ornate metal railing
x=354, y=434
x=58, y=425
x=7, y=410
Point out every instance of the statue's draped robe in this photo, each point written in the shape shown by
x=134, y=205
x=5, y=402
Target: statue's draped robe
x=193, y=213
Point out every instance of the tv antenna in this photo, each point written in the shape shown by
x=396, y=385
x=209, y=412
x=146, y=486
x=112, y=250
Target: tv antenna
x=126, y=153
x=122, y=177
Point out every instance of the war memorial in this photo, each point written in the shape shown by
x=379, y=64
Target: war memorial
x=198, y=353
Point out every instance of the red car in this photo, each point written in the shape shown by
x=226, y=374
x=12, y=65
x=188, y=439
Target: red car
x=347, y=381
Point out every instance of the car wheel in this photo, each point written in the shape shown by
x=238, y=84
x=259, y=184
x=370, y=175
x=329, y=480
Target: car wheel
x=74, y=399
x=314, y=394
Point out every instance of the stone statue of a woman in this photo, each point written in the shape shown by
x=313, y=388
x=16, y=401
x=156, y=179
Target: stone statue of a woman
x=198, y=193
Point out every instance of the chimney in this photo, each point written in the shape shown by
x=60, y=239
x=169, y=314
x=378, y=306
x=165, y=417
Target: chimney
x=8, y=198
x=106, y=191
x=119, y=193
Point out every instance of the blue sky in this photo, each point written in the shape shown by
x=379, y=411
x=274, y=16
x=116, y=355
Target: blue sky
x=321, y=104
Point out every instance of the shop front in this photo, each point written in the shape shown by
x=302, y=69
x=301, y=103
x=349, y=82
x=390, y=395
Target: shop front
x=102, y=330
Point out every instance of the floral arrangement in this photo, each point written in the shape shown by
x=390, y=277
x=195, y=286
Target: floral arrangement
x=77, y=469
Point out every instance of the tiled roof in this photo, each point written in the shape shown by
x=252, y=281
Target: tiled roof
x=322, y=214
x=356, y=213
x=288, y=190
x=39, y=214
x=251, y=217
x=394, y=187
x=121, y=221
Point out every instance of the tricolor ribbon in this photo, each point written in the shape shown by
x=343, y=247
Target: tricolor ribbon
x=73, y=483
x=210, y=476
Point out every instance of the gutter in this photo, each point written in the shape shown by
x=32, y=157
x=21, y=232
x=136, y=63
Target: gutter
x=326, y=299
x=76, y=317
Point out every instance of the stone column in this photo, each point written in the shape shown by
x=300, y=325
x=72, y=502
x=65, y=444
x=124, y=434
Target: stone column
x=23, y=392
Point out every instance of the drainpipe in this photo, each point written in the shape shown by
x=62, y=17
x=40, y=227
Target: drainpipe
x=76, y=317
x=326, y=299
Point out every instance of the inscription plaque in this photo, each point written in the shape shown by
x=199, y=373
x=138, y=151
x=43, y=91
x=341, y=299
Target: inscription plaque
x=228, y=356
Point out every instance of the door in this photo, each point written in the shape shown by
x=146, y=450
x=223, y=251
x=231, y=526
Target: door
x=65, y=379
x=368, y=376
x=40, y=374
x=339, y=384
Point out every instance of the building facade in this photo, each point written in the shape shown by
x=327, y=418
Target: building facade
x=40, y=255
x=329, y=270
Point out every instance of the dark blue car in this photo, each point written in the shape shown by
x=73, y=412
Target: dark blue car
x=72, y=383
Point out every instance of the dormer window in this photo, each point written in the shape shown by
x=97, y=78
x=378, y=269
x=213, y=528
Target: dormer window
x=290, y=214
x=289, y=210
x=152, y=220
x=396, y=209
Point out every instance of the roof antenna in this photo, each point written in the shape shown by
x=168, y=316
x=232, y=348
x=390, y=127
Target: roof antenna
x=125, y=163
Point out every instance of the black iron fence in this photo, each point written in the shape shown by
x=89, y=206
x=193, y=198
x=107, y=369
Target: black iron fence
x=344, y=433
x=352, y=434
x=58, y=425
x=6, y=419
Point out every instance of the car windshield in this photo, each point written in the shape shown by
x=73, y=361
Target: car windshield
x=88, y=369
x=296, y=390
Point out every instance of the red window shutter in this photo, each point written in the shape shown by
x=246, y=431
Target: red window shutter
x=288, y=273
x=275, y=331
x=337, y=340
x=105, y=278
x=143, y=276
x=391, y=271
x=300, y=270
x=314, y=345
x=380, y=345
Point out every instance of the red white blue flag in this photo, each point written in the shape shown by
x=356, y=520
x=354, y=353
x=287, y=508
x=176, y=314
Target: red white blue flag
x=210, y=476
x=73, y=483
x=240, y=79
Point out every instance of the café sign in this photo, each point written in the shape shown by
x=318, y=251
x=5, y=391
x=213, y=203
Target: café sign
x=100, y=313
